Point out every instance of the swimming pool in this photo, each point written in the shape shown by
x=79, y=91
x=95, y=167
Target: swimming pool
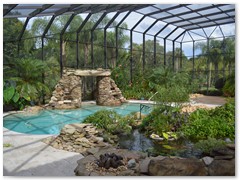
x=52, y=121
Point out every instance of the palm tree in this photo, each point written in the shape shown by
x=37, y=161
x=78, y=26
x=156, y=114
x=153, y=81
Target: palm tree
x=229, y=53
x=215, y=56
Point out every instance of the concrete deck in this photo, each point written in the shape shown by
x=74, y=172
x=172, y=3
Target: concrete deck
x=28, y=156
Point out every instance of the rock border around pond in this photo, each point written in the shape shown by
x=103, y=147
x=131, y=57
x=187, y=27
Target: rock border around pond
x=87, y=140
x=138, y=164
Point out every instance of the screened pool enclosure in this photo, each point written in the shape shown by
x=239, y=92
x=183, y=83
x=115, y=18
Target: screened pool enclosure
x=197, y=38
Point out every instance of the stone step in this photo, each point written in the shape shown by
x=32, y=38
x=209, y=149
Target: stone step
x=67, y=101
x=116, y=93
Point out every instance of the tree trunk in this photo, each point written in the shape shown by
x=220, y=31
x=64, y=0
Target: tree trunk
x=229, y=68
x=64, y=53
x=113, y=62
x=216, y=71
x=210, y=74
x=176, y=64
x=86, y=54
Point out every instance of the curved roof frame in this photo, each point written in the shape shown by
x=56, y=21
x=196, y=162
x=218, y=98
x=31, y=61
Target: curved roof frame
x=186, y=17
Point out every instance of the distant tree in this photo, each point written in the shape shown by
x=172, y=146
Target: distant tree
x=216, y=56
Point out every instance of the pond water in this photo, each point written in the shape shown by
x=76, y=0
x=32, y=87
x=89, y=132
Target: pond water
x=52, y=121
x=139, y=142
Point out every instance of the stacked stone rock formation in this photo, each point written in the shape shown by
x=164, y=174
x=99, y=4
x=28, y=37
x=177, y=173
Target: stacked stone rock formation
x=68, y=92
x=77, y=138
x=108, y=94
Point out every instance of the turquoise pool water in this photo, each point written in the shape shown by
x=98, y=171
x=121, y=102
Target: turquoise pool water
x=52, y=121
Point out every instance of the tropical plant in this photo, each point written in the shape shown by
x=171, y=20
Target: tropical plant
x=9, y=93
x=27, y=78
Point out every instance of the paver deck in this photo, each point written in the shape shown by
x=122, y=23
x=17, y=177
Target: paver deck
x=215, y=100
x=28, y=156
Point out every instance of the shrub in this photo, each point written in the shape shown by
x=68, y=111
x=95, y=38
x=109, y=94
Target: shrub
x=206, y=146
x=220, y=83
x=229, y=86
x=215, y=123
x=210, y=92
x=110, y=121
x=162, y=119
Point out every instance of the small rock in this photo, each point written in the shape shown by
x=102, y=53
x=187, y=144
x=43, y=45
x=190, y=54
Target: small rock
x=60, y=102
x=53, y=98
x=144, y=165
x=100, y=144
x=207, y=160
x=131, y=163
x=227, y=140
x=67, y=101
x=83, y=139
x=85, y=145
x=93, y=150
x=128, y=172
x=69, y=130
x=99, y=139
x=55, y=145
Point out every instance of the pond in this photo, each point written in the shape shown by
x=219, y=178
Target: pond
x=139, y=142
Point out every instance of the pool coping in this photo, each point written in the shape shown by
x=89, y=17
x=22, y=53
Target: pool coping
x=128, y=101
x=94, y=102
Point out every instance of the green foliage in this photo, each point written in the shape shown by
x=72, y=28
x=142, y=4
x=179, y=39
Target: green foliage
x=171, y=86
x=220, y=83
x=11, y=27
x=206, y=146
x=111, y=121
x=229, y=86
x=215, y=123
x=11, y=96
x=210, y=92
x=24, y=82
x=139, y=89
x=174, y=94
x=8, y=94
x=168, y=135
x=162, y=119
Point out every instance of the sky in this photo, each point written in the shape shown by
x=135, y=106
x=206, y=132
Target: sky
x=138, y=37
x=187, y=47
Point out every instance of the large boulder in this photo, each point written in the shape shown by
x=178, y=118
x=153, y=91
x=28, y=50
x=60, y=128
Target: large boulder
x=222, y=168
x=177, y=167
